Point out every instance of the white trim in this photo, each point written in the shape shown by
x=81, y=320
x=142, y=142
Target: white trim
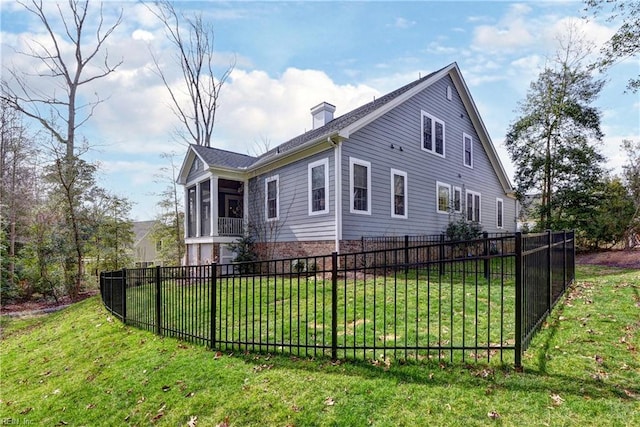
x=499, y=212
x=464, y=150
x=323, y=162
x=453, y=200
x=438, y=185
x=275, y=178
x=352, y=162
x=214, y=205
x=434, y=120
x=403, y=174
x=337, y=168
x=466, y=214
x=449, y=93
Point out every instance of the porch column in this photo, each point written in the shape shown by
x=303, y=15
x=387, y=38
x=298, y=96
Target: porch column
x=214, y=205
x=245, y=207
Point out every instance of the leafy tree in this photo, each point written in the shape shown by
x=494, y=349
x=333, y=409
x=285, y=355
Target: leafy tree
x=62, y=110
x=625, y=43
x=631, y=179
x=552, y=143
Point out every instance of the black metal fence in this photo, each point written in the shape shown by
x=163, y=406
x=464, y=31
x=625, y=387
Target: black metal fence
x=475, y=300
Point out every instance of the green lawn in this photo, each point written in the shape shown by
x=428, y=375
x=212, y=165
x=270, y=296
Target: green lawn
x=81, y=366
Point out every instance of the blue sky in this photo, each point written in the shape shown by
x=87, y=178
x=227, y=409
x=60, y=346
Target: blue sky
x=292, y=56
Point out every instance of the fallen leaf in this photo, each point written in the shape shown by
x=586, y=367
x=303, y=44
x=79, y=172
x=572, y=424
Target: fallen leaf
x=493, y=415
x=166, y=388
x=25, y=411
x=62, y=423
x=90, y=406
x=329, y=401
x=190, y=394
x=225, y=423
x=598, y=359
x=557, y=400
x=193, y=421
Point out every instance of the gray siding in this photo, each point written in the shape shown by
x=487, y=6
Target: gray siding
x=402, y=128
x=294, y=223
x=196, y=171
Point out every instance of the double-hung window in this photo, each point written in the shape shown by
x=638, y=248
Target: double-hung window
x=432, y=134
x=318, y=179
x=499, y=213
x=473, y=206
x=271, y=197
x=467, y=147
x=398, y=194
x=457, y=199
x=443, y=197
x=360, y=186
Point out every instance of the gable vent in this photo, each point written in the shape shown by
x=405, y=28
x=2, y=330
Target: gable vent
x=322, y=114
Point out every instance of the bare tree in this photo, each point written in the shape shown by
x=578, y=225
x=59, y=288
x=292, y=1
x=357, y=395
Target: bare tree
x=65, y=60
x=169, y=228
x=65, y=69
x=193, y=40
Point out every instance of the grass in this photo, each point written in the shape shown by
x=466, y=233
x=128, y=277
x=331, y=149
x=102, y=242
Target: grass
x=412, y=314
x=80, y=366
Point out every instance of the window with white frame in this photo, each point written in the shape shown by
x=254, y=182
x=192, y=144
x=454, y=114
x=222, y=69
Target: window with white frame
x=360, y=186
x=457, y=199
x=432, y=134
x=191, y=212
x=398, y=194
x=318, y=179
x=443, y=197
x=467, y=147
x=271, y=197
x=473, y=206
x=499, y=213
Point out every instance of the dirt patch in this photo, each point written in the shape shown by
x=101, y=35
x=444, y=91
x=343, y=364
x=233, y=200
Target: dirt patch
x=41, y=306
x=617, y=258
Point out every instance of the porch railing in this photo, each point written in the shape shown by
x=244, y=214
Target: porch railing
x=230, y=226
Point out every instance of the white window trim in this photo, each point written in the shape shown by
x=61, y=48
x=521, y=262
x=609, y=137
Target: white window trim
x=453, y=198
x=433, y=134
x=499, y=210
x=352, y=162
x=474, y=193
x=275, y=178
x=438, y=185
x=403, y=174
x=325, y=163
x=464, y=162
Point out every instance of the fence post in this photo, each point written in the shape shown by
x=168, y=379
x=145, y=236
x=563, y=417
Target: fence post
x=212, y=310
x=519, y=303
x=564, y=261
x=487, y=271
x=334, y=305
x=441, y=256
x=406, y=254
x=124, y=296
x=549, y=270
x=158, y=301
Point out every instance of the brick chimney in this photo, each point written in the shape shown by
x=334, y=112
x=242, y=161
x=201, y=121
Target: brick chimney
x=322, y=114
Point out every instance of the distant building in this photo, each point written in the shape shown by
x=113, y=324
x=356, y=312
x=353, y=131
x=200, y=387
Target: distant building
x=145, y=247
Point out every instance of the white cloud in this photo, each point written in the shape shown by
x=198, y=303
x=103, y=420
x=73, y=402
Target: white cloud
x=510, y=33
x=403, y=23
x=142, y=35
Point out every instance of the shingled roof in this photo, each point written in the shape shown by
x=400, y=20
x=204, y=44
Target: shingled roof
x=223, y=158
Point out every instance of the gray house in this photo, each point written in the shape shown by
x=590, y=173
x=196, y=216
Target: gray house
x=409, y=162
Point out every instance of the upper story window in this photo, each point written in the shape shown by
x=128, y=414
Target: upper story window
x=360, y=186
x=271, y=197
x=191, y=212
x=318, y=179
x=467, y=147
x=499, y=213
x=432, y=134
x=443, y=195
x=398, y=194
x=473, y=206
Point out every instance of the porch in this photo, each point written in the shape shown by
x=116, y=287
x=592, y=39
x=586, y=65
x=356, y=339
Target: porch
x=215, y=207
